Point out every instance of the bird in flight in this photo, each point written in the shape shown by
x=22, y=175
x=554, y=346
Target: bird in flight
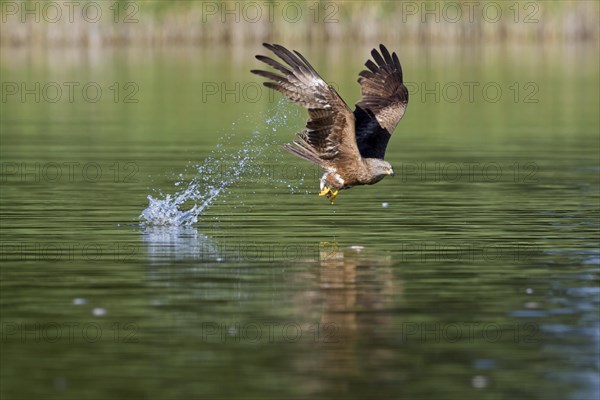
x=349, y=146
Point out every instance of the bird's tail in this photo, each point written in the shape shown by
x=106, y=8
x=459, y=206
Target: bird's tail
x=303, y=149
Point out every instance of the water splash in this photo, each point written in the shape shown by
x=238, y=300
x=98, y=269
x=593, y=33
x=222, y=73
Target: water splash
x=214, y=176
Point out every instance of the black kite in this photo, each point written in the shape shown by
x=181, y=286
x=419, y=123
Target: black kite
x=349, y=146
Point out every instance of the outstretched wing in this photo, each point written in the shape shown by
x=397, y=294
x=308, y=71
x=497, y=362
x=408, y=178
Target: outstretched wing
x=383, y=103
x=329, y=134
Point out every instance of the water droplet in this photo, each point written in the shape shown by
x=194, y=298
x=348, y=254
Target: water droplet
x=60, y=383
x=99, y=312
x=479, y=382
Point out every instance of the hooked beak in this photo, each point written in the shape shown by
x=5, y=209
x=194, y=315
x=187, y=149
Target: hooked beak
x=390, y=172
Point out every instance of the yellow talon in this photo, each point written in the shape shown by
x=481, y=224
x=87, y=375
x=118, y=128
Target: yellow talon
x=333, y=196
x=325, y=191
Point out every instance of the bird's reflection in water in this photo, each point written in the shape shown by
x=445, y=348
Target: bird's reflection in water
x=354, y=280
x=356, y=292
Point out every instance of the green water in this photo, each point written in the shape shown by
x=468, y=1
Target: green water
x=471, y=274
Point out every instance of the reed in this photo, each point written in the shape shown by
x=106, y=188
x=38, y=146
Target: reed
x=157, y=23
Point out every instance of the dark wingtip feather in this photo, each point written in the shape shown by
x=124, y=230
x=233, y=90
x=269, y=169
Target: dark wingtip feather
x=366, y=74
x=269, y=75
x=272, y=85
x=287, y=56
x=371, y=65
x=377, y=57
x=274, y=64
x=256, y=71
x=270, y=46
x=398, y=66
x=396, y=60
x=386, y=54
x=307, y=64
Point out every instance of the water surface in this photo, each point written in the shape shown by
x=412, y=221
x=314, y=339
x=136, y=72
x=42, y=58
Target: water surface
x=471, y=274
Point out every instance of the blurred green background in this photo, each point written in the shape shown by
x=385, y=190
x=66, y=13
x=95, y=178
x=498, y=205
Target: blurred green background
x=152, y=22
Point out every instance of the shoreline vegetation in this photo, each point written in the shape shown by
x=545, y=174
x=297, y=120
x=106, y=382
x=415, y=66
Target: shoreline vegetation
x=160, y=23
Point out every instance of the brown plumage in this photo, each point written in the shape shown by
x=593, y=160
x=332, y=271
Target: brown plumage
x=349, y=146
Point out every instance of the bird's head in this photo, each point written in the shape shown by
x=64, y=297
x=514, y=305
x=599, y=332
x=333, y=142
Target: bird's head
x=380, y=168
